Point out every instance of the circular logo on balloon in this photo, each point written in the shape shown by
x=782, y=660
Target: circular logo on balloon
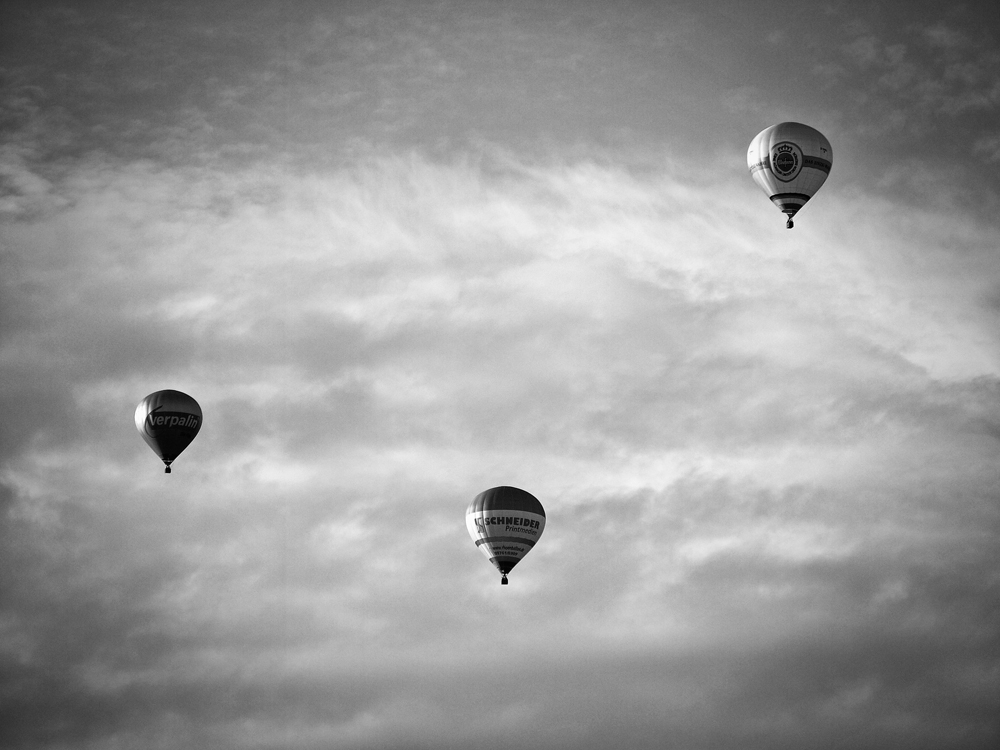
x=786, y=161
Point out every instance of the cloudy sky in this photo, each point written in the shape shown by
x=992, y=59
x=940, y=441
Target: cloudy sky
x=404, y=252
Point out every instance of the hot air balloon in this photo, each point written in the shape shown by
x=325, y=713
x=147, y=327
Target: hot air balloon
x=790, y=161
x=505, y=523
x=168, y=422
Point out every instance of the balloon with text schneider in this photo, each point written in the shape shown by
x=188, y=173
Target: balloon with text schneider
x=505, y=523
x=168, y=421
x=790, y=162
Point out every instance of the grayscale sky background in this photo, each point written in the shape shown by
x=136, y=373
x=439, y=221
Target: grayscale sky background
x=404, y=252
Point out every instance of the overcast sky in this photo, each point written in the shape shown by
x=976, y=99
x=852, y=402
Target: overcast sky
x=404, y=252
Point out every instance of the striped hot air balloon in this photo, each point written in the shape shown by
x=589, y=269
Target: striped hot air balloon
x=168, y=421
x=505, y=523
x=790, y=161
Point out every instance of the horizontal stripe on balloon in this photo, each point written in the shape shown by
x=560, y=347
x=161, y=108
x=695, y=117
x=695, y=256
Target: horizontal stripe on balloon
x=505, y=539
x=792, y=198
x=808, y=162
x=814, y=162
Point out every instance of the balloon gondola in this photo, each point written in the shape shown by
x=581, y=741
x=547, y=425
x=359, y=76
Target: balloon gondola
x=505, y=523
x=168, y=421
x=790, y=162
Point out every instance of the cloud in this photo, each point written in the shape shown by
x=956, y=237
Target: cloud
x=934, y=71
x=768, y=458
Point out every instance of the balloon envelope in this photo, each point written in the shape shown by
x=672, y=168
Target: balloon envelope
x=790, y=161
x=505, y=523
x=168, y=421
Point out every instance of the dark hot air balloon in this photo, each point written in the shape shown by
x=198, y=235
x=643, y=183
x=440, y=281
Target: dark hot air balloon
x=168, y=421
x=505, y=523
x=790, y=161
